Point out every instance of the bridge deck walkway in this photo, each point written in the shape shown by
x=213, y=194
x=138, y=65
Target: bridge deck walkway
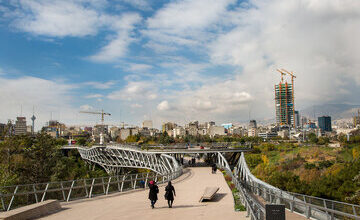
x=189, y=188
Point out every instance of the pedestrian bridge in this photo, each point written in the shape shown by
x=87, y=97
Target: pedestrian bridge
x=135, y=205
x=123, y=195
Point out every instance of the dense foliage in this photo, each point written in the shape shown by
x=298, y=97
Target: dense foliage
x=165, y=139
x=27, y=159
x=321, y=171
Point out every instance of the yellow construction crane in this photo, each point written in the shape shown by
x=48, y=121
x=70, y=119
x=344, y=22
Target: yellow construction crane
x=291, y=74
x=282, y=74
x=102, y=113
x=293, y=88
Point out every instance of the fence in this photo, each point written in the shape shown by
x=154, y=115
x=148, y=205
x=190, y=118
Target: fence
x=20, y=195
x=309, y=206
x=254, y=209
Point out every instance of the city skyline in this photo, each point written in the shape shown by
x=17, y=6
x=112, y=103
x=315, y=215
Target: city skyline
x=216, y=61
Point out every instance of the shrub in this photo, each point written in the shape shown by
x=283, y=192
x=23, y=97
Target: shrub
x=309, y=166
x=239, y=207
x=228, y=178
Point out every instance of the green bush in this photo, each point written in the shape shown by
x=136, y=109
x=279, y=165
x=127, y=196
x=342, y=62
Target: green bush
x=234, y=190
x=239, y=207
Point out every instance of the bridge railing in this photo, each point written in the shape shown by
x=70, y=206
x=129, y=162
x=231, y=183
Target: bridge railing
x=20, y=195
x=309, y=206
x=254, y=209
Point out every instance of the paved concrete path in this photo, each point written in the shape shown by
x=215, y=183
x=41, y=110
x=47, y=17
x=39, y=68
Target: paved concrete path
x=135, y=205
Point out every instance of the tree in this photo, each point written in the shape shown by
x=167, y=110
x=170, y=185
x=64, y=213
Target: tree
x=82, y=141
x=312, y=138
x=26, y=159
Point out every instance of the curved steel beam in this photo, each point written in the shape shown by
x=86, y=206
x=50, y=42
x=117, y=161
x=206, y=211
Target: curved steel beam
x=111, y=158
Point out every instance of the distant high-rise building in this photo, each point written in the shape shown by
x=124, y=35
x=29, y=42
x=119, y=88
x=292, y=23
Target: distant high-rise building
x=168, y=126
x=20, y=126
x=33, y=124
x=252, y=124
x=297, y=119
x=147, y=124
x=304, y=121
x=284, y=104
x=325, y=123
x=252, y=132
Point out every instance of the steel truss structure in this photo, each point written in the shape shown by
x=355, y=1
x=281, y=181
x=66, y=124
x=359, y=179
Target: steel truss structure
x=112, y=159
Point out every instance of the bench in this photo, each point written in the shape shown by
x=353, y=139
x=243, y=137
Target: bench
x=209, y=193
x=32, y=211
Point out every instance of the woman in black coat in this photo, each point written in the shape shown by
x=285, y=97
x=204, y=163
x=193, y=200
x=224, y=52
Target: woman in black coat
x=169, y=194
x=154, y=190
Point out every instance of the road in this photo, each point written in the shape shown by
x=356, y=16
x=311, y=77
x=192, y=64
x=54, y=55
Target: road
x=135, y=205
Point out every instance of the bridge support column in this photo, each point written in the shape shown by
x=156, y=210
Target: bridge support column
x=266, y=195
x=122, y=183
x=247, y=210
x=136, y=176
x=292, y=206
x=308, y=212
x=146, y=180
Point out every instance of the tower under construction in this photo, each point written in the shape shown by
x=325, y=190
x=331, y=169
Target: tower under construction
x=284, y=101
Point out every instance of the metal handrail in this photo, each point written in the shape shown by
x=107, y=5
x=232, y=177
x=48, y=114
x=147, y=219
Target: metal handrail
x=20, y=195
x=312, y=207
x=253, y=207
x=276, y=197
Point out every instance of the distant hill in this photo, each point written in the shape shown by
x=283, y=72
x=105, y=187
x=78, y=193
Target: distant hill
x=336, y=111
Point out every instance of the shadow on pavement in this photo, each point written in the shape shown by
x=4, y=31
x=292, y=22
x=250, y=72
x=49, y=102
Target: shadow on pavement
x=181, y=206
x=217, y=197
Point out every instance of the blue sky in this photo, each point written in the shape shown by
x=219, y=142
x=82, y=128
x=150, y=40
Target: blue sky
x=173, y=60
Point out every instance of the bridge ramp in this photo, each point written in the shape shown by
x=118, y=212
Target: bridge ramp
x=189, y=189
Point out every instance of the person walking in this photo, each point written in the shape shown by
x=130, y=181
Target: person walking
x=214, y=168
x=154, y=190
x=169, y=194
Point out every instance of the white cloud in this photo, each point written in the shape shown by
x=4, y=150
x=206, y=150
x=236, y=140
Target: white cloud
x=94, y=96
x=140, y=4
x=135, y=91
x=63, y=18
x=100, y=85
x=117, y=46
x=217, y=100
x=160, y=48
x=311, y=38
x=182, y=16
x=86, y=107
x=136, y=105
x=163, y=106
x=46, y=96
x=184, y=23
x=57, y=18
x=139, y=67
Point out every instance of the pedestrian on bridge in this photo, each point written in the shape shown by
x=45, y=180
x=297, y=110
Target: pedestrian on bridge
x=154, y=190
x=214, y=168
x=169, y=194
